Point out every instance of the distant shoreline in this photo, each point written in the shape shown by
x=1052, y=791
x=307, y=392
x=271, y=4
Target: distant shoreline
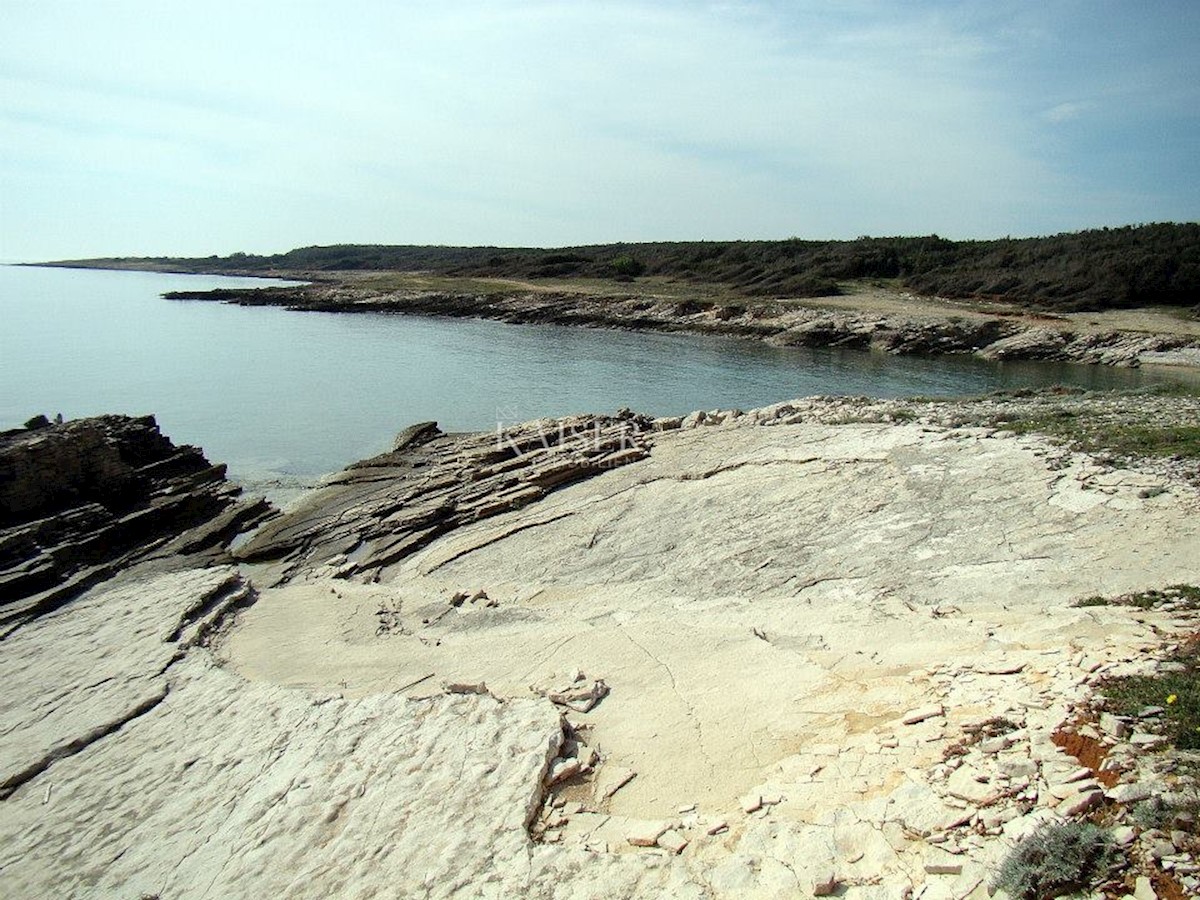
x=134, y=265
x=866, y=319
x=1124, y=267
x=861, y=315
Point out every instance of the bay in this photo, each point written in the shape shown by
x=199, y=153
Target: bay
x=285, y=397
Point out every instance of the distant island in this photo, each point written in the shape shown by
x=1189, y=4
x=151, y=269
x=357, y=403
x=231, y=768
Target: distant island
x=1106, y=268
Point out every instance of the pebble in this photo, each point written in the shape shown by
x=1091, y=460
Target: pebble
x=996, y=744
x=612, y=779
x=1114, y=726
x=1158, y=849
x=1147, y=741
x=825, y=885
x=1124, y=835
x=942, y=863
x=646, y=834
x=672, y=841
x=562, y=769
x=1085, y=801
x=1130, y=793
x=466, y=687
x=1001, y=668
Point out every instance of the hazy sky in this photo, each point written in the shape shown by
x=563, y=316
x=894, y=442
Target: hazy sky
x=209, y=127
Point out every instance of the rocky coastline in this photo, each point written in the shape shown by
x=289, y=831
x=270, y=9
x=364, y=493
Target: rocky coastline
x=830, y=647
x=84, y=500
x=1013, y=335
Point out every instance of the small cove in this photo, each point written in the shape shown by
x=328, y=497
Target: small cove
x=287, y=397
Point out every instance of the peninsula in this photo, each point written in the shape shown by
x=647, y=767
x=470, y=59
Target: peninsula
x=1125, y=296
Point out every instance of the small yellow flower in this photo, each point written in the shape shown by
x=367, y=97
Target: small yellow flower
x=1171, y=699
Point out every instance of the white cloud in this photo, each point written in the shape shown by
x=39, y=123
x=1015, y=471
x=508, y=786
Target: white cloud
x=1065, y=112
x=276, y=124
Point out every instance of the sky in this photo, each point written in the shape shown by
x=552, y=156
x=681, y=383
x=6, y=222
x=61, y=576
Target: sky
x=198, y=128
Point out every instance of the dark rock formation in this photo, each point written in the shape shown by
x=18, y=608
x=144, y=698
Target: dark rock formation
x=82, y=500
x=380, y=510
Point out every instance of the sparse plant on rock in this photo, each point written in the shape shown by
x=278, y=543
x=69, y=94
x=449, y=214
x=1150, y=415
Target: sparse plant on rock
x=1056, y=860
x=1175, y=689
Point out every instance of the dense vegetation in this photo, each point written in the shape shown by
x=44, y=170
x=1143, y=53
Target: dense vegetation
x=1099, y=269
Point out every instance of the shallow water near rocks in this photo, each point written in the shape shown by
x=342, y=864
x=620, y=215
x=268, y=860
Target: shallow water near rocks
x=287, y=397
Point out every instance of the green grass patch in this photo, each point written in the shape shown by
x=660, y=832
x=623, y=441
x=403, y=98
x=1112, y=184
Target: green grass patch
x=1177, y=692
x=1187, y=594
x=1091, y=435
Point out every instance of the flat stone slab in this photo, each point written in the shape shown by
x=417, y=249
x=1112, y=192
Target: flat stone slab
x=74, y=676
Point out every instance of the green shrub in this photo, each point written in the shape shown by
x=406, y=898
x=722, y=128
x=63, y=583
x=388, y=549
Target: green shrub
x=1056, y=860
x=628, y=266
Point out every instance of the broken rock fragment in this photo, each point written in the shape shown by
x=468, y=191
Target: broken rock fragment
x=913, y=717
x=645, y=834
x=575, y=692
x=672, y=841
x=611, y=779
x=466, y=687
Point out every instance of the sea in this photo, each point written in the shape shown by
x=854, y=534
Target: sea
x=285, y=397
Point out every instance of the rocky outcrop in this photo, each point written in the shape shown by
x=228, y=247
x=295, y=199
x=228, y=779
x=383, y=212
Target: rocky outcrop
x=784, y=323
x=790, y=643
x=381, y=510
x=80, y=501
x=795, y=651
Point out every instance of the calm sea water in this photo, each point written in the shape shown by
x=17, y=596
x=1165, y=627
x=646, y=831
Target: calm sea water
x=291, y=396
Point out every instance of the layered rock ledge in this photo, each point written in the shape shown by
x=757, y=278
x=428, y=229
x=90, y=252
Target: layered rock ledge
x=380, y=510
x=81, y=501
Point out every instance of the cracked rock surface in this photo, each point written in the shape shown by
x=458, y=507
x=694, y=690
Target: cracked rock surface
x=743, y=593
x=795, y=658
x=72, y=677
x=182, y=780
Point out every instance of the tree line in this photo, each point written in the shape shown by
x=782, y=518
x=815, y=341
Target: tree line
x=1143, y=265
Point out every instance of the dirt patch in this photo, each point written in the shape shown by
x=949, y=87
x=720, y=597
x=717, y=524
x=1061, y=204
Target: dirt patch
x=1090, y=752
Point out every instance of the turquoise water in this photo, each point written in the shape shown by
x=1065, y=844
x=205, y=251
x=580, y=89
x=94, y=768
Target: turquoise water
x=278, y=394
